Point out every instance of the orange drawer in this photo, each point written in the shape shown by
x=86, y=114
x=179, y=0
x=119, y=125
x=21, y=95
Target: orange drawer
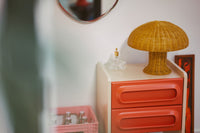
x=141, y=93
x=148, y=119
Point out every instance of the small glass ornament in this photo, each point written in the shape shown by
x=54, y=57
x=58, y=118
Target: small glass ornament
x=81, y=114
x=74, y=118
x=68, y=114
x=84, y=120
x=68, y=121
x=115, y=62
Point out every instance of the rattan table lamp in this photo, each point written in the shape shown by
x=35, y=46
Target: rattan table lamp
x=158, y=37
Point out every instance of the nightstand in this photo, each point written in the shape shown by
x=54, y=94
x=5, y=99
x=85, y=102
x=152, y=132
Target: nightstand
x=130, y=101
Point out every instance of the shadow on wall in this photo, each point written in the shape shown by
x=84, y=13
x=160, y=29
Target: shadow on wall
x=131, y=55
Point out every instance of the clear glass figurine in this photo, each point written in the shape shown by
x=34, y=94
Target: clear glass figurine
x=115, y=63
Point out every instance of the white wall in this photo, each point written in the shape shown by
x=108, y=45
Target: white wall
x=78, y=47
x=106, y=5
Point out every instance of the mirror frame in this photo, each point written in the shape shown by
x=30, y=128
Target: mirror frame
x=82, y=21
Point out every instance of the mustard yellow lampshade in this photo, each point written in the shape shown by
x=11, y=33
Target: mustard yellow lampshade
x=158, y=37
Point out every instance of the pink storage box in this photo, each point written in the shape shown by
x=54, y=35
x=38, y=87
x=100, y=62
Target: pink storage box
x=90, y=127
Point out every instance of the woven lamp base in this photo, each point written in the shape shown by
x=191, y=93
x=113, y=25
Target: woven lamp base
x=157, y=64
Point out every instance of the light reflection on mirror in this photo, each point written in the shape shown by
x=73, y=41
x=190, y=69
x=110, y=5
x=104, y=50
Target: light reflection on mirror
x=87, y=10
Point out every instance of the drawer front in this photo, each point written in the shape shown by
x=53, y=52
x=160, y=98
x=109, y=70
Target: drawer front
x=141, y=93
x=149, y=119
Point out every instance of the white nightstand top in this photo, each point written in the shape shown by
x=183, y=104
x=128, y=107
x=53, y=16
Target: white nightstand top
x=135, y=72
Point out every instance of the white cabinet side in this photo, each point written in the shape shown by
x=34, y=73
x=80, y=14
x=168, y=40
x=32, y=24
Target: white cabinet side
x=103, y=100
x=184, y=75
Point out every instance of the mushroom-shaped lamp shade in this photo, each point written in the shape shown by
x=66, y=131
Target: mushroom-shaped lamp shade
x=158, y=37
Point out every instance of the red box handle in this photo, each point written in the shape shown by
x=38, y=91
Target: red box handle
x=151, y=88
x=144, y=116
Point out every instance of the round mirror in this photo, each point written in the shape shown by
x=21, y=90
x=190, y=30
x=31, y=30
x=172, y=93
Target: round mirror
x=87, y=10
